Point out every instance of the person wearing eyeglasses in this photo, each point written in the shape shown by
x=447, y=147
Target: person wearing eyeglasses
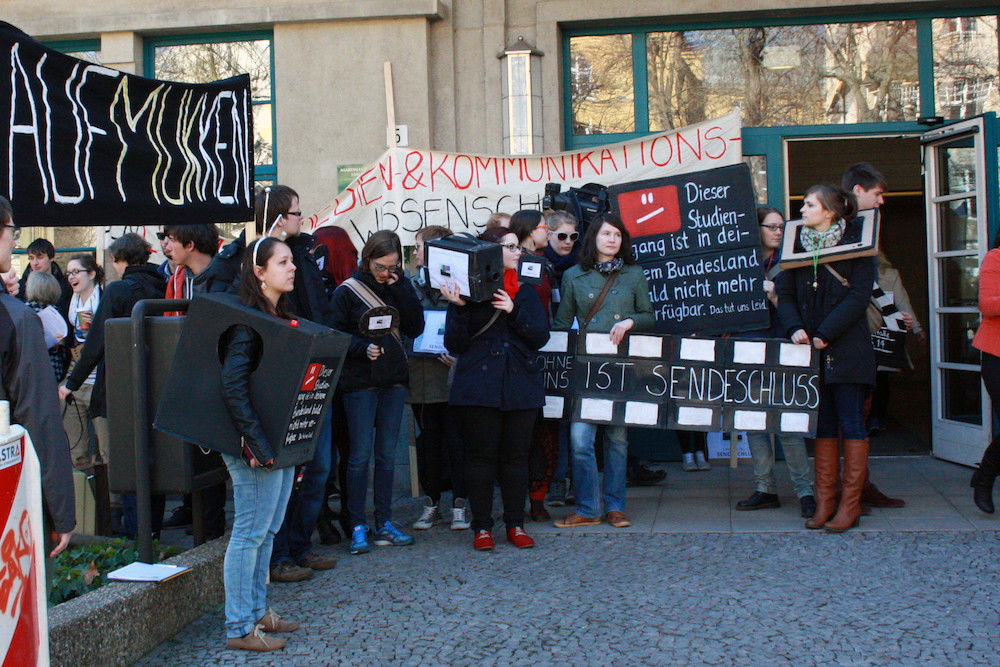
x=374, y=380
x=765, y=496
x=497, y=391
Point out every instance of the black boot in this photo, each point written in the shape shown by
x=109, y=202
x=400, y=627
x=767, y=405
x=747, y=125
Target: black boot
x=328, y=533
x=982, y=490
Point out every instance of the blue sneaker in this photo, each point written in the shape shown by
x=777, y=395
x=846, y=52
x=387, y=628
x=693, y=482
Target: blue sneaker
x=389, y=535
x=359, y=540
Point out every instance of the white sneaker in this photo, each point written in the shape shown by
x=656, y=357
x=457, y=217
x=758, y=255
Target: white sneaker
x=703, y=464
x=687, y=462
x=460, y=515
x=431, y=516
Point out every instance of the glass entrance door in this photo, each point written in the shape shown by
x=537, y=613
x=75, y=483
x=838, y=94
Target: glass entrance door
x=957, y=239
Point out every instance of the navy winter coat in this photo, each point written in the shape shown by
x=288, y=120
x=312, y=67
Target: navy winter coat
x=834, y=313
x=497, y=369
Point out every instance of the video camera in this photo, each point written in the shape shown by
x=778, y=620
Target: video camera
x=584, y=203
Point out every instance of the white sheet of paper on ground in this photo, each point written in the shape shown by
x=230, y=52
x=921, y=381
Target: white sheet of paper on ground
x=792, y=354
x=645, y=346
x=641, y=414
x=693, y=349
x=750, y=420
x=147, y=572
x=749, y=352
x=794, y=422
x=600, y=343
x=553, y=408
x=558, y=342
x=598, y=409
x=688, y=416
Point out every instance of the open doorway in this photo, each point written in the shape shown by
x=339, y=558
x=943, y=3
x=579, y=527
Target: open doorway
x=903, y=240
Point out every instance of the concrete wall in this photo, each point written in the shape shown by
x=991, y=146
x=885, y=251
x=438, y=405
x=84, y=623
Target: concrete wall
x=330, y=101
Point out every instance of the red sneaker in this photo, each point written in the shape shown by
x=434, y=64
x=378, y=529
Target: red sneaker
x=519, y=538
x=483, y=541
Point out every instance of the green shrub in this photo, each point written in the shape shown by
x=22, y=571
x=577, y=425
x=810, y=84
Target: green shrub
x=84, y=567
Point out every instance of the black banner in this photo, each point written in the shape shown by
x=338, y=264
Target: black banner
x=83, y=144
x=697, y=239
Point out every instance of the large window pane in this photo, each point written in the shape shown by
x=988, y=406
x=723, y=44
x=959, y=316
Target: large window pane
x=957, y=332
x=959, y=281
x=966, y=61
x=956, y=167
x=785, y=75
x=962, y=401
x=601, y=84
x=959, y=226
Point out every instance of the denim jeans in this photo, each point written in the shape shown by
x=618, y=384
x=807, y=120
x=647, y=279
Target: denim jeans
x=373, y=420
x=841, y=411
x=796, y=457
x=294, y=540
x=586, y=483
x=259, y=499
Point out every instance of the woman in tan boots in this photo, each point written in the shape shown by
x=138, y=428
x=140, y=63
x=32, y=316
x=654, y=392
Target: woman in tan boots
x=823, y=305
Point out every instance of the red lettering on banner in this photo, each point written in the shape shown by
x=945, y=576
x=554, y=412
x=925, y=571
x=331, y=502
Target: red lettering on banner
x=625, y=154
x=712, y=135
x=440, y=170
x=454, y=171
x=486, y=165
x=337, y=210
x=606, y=155
x=512, y=161
x=362, y=182
x=525, y=174
x=385, y=170
x=585, y=157
x=417, y=180
x=15, y=548
x=652, y=148
x=550, y=164
x=680, y=138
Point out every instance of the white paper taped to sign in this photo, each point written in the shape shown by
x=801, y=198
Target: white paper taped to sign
x=642, y=414
x=598, y=409
x=448, y=266
x=553, y=408
x=600, y=343
x=696, y=349
x=379, y=322
x=793, y=354
x=645, y=346
x=794, y=422
x=750, y=352
x=531, y=269
x=558, y=342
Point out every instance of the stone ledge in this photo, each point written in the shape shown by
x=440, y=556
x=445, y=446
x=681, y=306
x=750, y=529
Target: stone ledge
x=122, y=621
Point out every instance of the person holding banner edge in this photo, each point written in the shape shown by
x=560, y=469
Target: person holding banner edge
x=606, y=292
x=824, y=306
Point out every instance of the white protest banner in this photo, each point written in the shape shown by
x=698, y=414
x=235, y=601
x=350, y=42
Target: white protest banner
x=409, y=189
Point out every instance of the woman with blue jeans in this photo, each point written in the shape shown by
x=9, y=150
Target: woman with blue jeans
x=260, y=494
x=599, y=305
x=824, y=306
x=374, y=379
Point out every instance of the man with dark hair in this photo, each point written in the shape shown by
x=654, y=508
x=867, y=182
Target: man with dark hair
x=26, y=380
x=191, y=247
x=868, y=186
x=41, y=253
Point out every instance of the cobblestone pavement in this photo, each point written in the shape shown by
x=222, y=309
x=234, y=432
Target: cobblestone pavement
x=861, y=598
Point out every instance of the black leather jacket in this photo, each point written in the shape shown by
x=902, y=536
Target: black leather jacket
x=242, y=353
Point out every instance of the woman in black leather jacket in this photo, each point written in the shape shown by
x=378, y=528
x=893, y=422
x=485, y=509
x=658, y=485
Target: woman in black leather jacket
x=260, y=494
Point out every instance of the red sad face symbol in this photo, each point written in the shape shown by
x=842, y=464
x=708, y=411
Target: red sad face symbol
x=650, y=211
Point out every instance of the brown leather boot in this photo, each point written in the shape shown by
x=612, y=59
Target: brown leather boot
x=827, y=472
x=855, y=471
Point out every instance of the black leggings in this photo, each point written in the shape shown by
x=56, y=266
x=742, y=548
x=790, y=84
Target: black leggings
x=990, y=464
x=496, y=446
x=438, y=443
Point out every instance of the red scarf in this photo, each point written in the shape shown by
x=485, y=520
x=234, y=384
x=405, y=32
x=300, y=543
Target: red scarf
x=510, y=282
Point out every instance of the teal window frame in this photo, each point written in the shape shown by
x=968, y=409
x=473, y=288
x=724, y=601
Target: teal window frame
x=75, y=45
x=768, y=141
x=261, y=172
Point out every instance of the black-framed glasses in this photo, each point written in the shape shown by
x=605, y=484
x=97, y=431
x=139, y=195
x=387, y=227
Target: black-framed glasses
x=513, y=247
x=572, y=236
x=298, y=213
x=15, y=232
x=774, y=228
x=378, y=268
x=76, y=272
x=162, y=236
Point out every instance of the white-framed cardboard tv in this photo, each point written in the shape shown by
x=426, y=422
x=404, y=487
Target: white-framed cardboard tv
x=860, y=240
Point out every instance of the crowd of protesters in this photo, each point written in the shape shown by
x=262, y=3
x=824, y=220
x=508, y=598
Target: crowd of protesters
x=477, y=407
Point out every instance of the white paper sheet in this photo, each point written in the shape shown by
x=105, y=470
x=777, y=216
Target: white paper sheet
x=449, y=266
x=553, y=408
x=693, y=349
x=600, y=343
x=750, y=420
x=792, y=354
x=747, y=352
x=645, y=346
x=431, y=341
x=694, y=416
x=597, y=409
x=794, y=422
x=558, y=342
x=641, y=414
x=146, y=572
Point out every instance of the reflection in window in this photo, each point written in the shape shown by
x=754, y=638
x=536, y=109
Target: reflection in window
x=601, y=84
x=758, y=175
x=785, y=75
x=211, y=61
x=965, y=66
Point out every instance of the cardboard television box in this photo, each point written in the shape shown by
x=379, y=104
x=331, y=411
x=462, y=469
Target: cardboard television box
x=860, y=240
x=476, y=265
x=291, y=387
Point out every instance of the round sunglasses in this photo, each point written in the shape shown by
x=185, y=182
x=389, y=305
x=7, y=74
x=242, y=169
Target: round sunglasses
x=572, y=236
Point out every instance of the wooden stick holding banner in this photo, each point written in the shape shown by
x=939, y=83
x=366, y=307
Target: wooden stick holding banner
x=390, y=104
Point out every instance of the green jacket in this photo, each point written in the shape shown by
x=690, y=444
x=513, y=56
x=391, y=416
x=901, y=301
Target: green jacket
x=628, y=298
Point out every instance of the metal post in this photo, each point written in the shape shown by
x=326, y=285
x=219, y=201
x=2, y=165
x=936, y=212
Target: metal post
x=141, y=422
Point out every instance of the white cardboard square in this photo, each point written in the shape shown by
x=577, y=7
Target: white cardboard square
x=553, y=408
x=792, y=354
x=749, y=420
x=558, y=342
x=693, y=349
x=600, y=343
x=689, y=416
x=598, y=409
x=749, y=352
x=794, y=422
x=645, y=346
x=642, y=414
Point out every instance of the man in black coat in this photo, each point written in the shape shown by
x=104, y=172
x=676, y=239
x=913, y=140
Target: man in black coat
x=28, y=383
x=41, y=255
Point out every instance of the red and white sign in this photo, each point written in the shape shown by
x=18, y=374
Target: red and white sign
x=409, y=189
x=24, y=633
